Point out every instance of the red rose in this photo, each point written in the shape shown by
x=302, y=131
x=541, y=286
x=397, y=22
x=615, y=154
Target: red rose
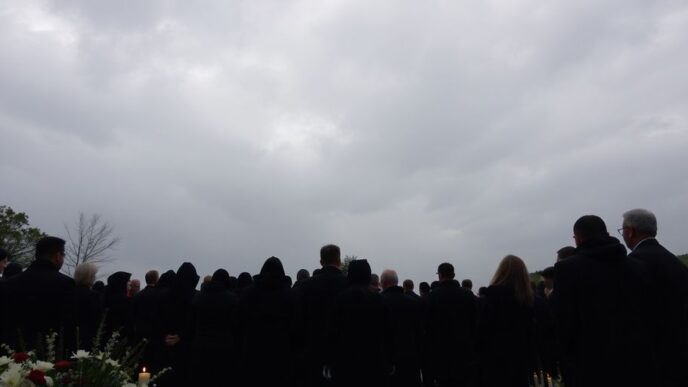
x=62, y=365
x=37, y=377
x=20, y=357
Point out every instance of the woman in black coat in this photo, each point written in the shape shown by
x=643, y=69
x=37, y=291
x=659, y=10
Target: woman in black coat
x=268, y=328
x=212, y=317
x=119, y=315
x=172, y=331
x=506, y=328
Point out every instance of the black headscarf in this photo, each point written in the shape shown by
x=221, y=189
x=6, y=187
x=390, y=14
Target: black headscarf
x=221, y=277
x=166, y=280
x=186, y=280
x=244, y=280
x=359, y=272
x=272, y=275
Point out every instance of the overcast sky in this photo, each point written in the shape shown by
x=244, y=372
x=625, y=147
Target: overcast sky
x=408, y=132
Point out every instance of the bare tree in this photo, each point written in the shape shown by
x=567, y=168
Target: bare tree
x=90, y=241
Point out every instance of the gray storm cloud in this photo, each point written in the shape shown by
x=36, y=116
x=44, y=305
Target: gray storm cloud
x=410, y=133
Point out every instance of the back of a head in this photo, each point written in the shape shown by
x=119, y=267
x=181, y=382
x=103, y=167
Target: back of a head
x=446, y=270
x=117, y=283
x=245, y=279
x=389, y=278
x=590, y=227
x=482, y=291
x=85, y=274
x=49, y=246
x=641, y=220
x=98, y=286
x=221, y=276
x=167, y=279
x=330, y=255
x=152, y=277
x=272, y=267
x=4, y=254
x=187, y=278
x=302, y=275
x=565, y=252
x=374, y=280
x=467, y=284
x=512, y=273
x=408, y=285
x=359, y=272
x=424, y=288
x=548, y=272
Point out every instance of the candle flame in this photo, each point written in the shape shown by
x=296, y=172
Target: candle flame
x=144, y=369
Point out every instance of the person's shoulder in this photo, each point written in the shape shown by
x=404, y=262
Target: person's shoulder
x=65, y=280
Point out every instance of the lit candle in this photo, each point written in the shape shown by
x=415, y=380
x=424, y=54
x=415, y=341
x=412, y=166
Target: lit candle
x=144, y=378
x=549, y=380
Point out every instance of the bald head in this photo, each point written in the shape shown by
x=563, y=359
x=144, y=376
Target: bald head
x=389, y=278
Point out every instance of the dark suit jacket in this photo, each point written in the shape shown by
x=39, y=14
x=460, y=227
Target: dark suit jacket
x=449, y=322
x=670, y=310
x=39, y=300
x=602, y=313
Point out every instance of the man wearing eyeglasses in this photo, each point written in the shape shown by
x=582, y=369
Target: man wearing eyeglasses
x=669, y=278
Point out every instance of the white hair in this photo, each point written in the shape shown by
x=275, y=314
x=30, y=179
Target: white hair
x=389, y=277
x=85, y=274
x=642, y=220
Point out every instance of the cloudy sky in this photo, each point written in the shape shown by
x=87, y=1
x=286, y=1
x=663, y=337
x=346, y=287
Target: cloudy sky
x=407, y=132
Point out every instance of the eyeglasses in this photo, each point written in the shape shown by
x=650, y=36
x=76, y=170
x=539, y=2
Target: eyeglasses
x=620, y=230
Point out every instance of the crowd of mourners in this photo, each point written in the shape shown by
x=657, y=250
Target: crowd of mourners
x=601, y=317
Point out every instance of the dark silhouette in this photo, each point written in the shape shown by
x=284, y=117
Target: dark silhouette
x=361, y=338
x=450, y=328
x=317, y=300
x=172, y=334
x=269, y=328
x=39, y=300
x=602, y=310
x=405, y=319
x=506, y=336
x=120, y=313
x=12, y=269
x=669, y=278
x=213, y=314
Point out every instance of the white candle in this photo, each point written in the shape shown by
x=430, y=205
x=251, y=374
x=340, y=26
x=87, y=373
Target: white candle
x=549, y=380
x=144, y=378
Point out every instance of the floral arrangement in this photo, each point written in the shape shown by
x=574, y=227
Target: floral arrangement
x=111, y=365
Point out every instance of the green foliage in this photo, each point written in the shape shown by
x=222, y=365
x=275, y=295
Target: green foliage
x=347, y=261
x=16, y=236
x=684, y=259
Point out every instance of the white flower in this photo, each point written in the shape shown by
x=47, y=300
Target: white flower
x=13, y=376
x=43, y=366
x=48, y=381
x=113, y=363
x=81, y=354
x=4, y=360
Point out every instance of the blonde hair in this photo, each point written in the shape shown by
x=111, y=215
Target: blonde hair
x=512, y=273
x=85, y=274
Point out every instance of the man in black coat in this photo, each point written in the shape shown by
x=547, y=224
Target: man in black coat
x=601, y=305
x=317, y=298
x=450, y=319
x=405, y=316
x=670, y=295
x=39, y=300
x=361, y=344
